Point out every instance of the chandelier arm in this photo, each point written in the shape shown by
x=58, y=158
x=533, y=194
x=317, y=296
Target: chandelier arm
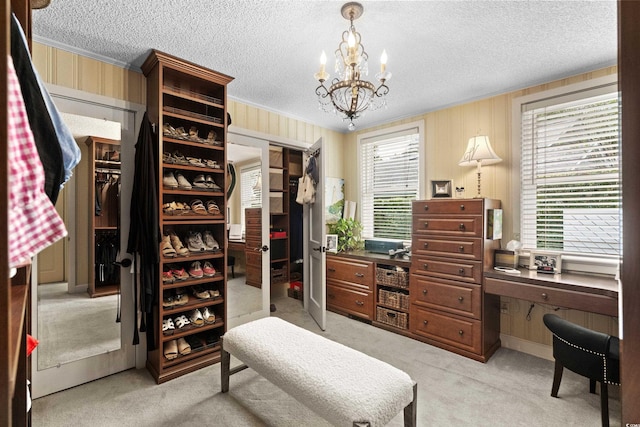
x=322, y=91
x=382, y=90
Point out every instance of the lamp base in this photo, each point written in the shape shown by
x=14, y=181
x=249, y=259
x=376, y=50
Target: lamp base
x=479, y=195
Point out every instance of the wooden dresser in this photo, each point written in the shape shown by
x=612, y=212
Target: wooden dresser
x=450, y=250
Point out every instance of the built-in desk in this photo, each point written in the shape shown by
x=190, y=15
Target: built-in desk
x=595, y=294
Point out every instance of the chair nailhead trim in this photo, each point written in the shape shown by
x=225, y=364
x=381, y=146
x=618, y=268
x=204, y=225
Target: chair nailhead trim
x=604, y=358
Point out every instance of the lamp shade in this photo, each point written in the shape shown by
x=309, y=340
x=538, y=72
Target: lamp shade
x=479, y=150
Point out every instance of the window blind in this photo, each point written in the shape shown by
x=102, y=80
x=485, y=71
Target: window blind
x=389, y=183
x=570, y=175
x=250, y=189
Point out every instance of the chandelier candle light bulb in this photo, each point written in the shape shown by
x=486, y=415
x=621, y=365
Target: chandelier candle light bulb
x=383, y=61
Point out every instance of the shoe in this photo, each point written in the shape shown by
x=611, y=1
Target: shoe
x=196, y=318
x=183, y=184
x=180, y=159
x=210, y=243
x=195, y=270
x=208, y=269
x=182, y=323
x=195, y=243
x=170, y=350
x=212, y=208
x=181, y=297
x=208, y=316
x=198, y=207
x=183, y=346
x=168, y=327
x=212, y=164
x=194, y=161
x=193, y=134
x=211, y=184
x=215, y=294
x=200, y=183
x=167, y=276
x=179, y=272
x=212, y=338
x=181, y=133
x=200, y=292
x=194, y=342
x=169, y=180
x=167, y=248
x=168, y=300
x=211, y=138
x=177, y=244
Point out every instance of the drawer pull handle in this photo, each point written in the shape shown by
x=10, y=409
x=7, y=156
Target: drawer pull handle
x=426, y=207
x=426, y=224
x=461, y=248
x=545, y=296
x=333, y=270
x=424, y=292
x=461, y=271
x=425, y=322
x=460, y=332
x=426, y=244
x=426, y=266
x=460, y=299
x=359, y=275
x=360, y=303
x=461, y=207
x=461, y=227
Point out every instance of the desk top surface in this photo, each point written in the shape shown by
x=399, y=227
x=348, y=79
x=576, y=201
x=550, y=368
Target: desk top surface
x=600, y=285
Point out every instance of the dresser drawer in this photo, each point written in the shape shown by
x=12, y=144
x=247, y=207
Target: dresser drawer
x=351, y=270
x=448, y=225
x=470, y=249
x=454, y=297
x=467, y=271
x=355, y=302
x=467, y=207
x=465, y=334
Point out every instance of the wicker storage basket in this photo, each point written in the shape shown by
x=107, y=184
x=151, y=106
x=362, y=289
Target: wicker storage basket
x=398, y=278
x=391, y=318
x=394, y=299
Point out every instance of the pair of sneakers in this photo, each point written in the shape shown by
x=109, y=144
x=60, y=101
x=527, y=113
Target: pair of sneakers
x=197, y=242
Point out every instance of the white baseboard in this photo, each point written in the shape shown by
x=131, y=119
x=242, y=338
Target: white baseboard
x=533, y=348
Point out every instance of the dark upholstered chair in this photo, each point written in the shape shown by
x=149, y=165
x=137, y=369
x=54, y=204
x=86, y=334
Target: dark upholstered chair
x=592, y=354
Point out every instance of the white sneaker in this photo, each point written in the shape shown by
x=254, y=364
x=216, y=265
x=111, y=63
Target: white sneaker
x=210, y=243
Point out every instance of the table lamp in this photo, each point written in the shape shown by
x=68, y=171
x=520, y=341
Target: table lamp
x=478, y=153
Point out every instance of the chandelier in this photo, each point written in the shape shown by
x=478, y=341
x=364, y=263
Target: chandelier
x=349, y=96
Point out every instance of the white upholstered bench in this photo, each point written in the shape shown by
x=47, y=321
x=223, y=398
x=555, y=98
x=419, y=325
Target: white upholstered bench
x=342, y=385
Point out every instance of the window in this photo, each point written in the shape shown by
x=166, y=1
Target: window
x=570, y=174
x=250, y=189
x=389, y=182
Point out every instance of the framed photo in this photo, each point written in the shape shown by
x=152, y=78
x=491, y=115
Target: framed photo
x=441, y=188
x=545, y=262
x=332, y=243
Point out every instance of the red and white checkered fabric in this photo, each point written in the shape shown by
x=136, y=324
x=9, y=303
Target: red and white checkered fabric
x=34, y=223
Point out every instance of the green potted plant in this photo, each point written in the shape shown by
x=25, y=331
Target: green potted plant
x=348, y=231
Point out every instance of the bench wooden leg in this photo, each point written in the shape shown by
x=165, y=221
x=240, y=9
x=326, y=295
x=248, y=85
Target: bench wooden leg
x=225, y=361
x=411, y=410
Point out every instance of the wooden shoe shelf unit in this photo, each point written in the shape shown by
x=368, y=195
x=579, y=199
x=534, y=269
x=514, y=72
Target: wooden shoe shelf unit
x=182, y=96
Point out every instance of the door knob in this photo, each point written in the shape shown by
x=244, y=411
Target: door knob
x=264, y=248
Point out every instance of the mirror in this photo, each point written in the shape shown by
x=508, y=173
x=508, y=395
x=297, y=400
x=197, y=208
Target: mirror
x=243, y=299
x=78, y=300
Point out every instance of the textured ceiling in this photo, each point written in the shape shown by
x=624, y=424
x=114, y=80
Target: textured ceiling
x=441, y=53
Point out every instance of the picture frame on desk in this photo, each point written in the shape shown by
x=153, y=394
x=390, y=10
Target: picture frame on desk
x=545, y=262
x=441, y=189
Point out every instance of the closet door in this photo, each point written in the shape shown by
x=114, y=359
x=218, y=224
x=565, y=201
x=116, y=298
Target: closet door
x=94, y=357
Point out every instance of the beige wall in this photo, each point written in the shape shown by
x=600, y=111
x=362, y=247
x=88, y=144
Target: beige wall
x=446, y=135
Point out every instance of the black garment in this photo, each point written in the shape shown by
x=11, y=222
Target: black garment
x=44, y=132
x=144, y=233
